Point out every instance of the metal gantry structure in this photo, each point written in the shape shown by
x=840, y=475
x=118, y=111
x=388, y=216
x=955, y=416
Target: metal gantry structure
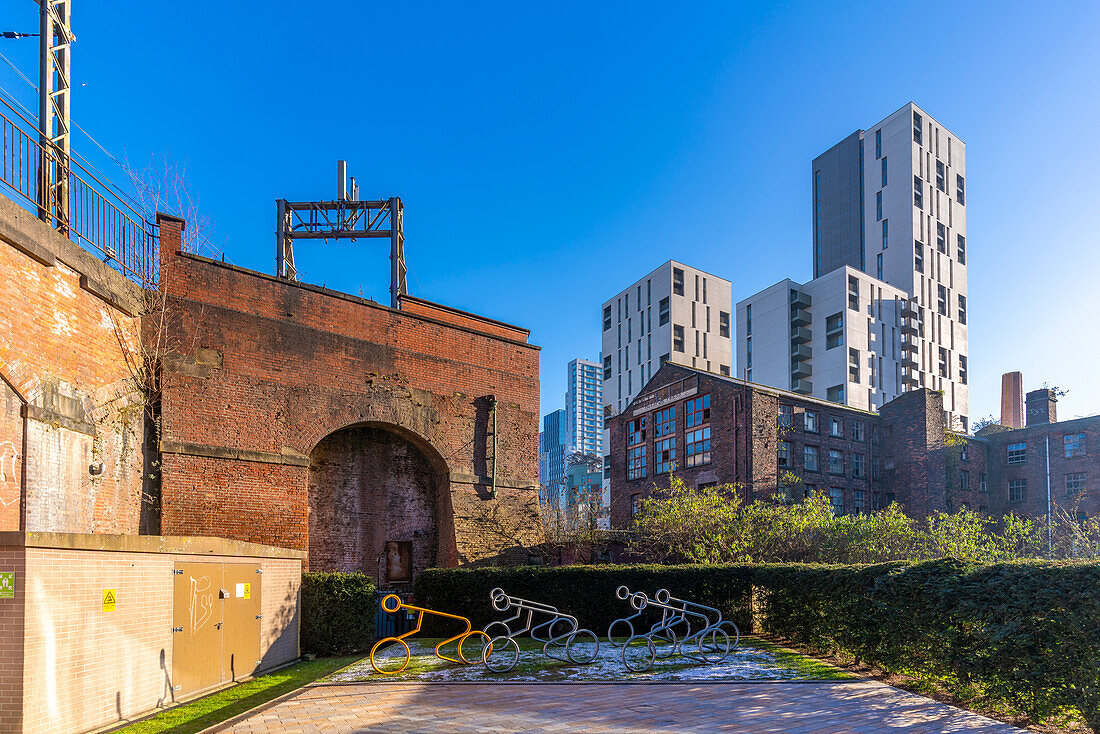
x=346, y=218
x=54, y=108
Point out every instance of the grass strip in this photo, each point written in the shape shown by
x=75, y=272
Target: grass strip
x=209, y=710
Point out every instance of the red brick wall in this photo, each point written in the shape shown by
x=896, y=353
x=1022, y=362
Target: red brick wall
x=267, y=368
x=64, y=355
x=1034, y=469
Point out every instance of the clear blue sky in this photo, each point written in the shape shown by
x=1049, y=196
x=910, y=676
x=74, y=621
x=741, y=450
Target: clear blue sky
x=549, y=154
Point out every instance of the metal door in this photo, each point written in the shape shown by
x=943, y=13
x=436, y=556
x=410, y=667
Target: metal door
x=241, y=612
x=196, y=627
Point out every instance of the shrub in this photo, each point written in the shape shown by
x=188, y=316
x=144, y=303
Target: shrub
x=338, y=613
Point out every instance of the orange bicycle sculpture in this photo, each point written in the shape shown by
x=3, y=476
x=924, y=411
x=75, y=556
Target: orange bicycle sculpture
x=392, y=603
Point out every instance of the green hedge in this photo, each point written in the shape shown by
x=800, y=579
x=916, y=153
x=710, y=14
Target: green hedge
x=1026, y=635
x=586, y=592
x=338, y=613
x=1022, y=634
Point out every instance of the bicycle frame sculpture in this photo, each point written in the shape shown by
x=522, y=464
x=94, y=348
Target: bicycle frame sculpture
x=392, y=603
x=568, y=631
x=682, y=623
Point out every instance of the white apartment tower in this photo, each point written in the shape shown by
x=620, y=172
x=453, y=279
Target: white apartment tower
x=675, y=314
x=584, y=408
x=886, y=311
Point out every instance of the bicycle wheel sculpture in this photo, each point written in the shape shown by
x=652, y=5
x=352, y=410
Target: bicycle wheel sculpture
x=687, y=628
x=392, y=603
x=557, y=633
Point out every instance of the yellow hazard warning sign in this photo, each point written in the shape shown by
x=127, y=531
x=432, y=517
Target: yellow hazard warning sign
x=247, y=591
x=109, y=600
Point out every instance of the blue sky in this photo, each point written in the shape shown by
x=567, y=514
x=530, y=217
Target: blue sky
x=550, y=154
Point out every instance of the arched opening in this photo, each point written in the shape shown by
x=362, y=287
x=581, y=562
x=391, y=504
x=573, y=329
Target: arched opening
x=376, y=495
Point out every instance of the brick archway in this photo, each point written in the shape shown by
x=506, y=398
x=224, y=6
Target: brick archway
x=378, y=494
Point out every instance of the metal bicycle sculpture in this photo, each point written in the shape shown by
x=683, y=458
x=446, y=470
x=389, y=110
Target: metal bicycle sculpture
x=683, y=623
x=392, y=603
x=561, y=639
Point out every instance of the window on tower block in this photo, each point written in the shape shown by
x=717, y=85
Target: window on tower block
x=835, y=394
x=853, y=365
x=962, y=369
x=962, y=309
x=941, y=176
x=879, y=263
x=918, y=123
x=883, y=171
x=918, y=192
x=607, y=367
x=723, y=323
x=878, y=206
x=606, y=317
x=941, y=237
x=678, y=338
x=885, y=233
x=941, y=301
x=961, y=241
x=834, y=330
x=878, y=143
x=662, y=312
x=853, y=292
x=918, y=257
x=677, y=282
x=960, y=189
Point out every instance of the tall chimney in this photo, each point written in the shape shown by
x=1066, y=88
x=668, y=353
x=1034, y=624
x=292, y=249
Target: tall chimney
x=1042, y=407
x=1012, y=400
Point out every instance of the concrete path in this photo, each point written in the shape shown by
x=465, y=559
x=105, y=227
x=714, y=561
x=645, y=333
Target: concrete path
x=790, y=708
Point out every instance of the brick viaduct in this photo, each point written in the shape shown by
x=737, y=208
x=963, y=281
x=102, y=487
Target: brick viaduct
x=296, y=416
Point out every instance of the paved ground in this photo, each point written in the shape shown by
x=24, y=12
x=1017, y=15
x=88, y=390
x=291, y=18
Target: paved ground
x=791, y=708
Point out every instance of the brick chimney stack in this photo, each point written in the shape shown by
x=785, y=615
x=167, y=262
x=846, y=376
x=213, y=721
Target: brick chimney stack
x=1042, y=407
x=1012, y=400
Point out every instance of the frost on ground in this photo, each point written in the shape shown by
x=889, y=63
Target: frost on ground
x=746, y=662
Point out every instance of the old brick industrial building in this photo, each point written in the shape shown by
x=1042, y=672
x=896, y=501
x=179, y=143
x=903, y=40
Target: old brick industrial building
x=714, y=429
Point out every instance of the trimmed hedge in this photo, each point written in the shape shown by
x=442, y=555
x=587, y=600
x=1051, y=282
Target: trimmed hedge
x=338, y=613
x=1023, y=634
x=586, y=592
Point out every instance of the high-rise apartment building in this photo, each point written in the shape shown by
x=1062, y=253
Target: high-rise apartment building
x=889, y=204
x=674, y=314
x=552, y=447
x=584, y=408
x=836, y=337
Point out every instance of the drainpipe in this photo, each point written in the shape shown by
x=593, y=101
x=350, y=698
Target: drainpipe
x=1050, y=538
x=493, y=407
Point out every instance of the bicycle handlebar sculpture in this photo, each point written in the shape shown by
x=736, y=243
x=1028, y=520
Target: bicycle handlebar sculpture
x=394, y=601
x=699, y=625
x=564, y=639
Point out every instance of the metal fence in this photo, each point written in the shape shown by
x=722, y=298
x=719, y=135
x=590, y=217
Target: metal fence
x=98, y=219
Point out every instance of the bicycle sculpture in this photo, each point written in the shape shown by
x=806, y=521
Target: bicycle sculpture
x=693, y=630
x=557, y=633
x=392, y=603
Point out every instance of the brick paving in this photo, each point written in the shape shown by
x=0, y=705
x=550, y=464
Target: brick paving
x=856, y=707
